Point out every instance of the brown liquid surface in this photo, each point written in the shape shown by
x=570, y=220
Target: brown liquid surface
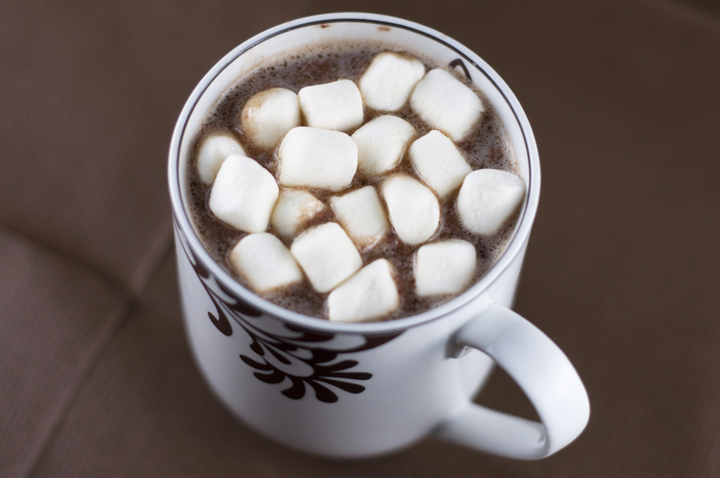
x=486, y=146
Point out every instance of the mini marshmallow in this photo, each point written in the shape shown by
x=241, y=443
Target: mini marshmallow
x=369, y=294
x=381, y=144
x=336, y=106
x=317, y=158
x=414, y=209
x=361, y=215
x=293, y=210
x=487, y=198
x=389, y=80
x=269, y=115
x=244, y=194
x=327, y=255
x=213, y=151
x=444, y=267
x=439, y=163
x=264, y=261
x=447, y=104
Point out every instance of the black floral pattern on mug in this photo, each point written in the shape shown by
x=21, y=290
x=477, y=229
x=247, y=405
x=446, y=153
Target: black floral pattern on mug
x=291, y=354
x=288, y=358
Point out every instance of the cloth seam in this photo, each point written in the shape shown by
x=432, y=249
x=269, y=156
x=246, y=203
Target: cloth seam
x=131, y=306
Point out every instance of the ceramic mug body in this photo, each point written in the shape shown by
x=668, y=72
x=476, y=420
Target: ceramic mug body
x=350, y=390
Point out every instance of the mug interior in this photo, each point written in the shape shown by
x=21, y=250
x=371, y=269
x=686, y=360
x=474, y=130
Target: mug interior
x=396, y=34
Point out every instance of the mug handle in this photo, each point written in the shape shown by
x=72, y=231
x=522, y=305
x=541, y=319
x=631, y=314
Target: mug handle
x=541, y=370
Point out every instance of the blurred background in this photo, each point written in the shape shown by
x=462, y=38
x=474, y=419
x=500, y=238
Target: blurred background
x=623, y=269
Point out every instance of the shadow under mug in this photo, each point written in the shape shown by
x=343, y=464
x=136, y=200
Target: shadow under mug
x=352, y=390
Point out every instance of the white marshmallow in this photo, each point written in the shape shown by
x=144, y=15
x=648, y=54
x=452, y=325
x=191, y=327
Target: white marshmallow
x=317, y=158
x=327, y=255
x=369, y=294
x=487, y=198
x=213, y=151
x=337, y=106
x=444, y=267
x=414, y=209
x=269, y=115
x=389, y=80
x=439, y=162
x=361, y=215
x=264, y=261
x=447, y=104
x=293, y=209
x=244, y=194
x=381, y=144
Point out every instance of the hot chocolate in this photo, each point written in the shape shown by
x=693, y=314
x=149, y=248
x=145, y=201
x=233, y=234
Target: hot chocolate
x=485, y=146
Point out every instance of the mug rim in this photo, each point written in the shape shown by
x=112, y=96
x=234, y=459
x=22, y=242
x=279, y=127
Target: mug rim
x=514, y=247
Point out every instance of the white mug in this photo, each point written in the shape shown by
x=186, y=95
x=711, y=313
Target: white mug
x=353, y=390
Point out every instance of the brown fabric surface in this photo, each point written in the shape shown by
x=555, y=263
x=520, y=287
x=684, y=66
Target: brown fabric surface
x=622, y=270
x=85, y=130
x=55, y=320
x=711, y=7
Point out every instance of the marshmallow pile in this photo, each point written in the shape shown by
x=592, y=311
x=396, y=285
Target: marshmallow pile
x=322, y=146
